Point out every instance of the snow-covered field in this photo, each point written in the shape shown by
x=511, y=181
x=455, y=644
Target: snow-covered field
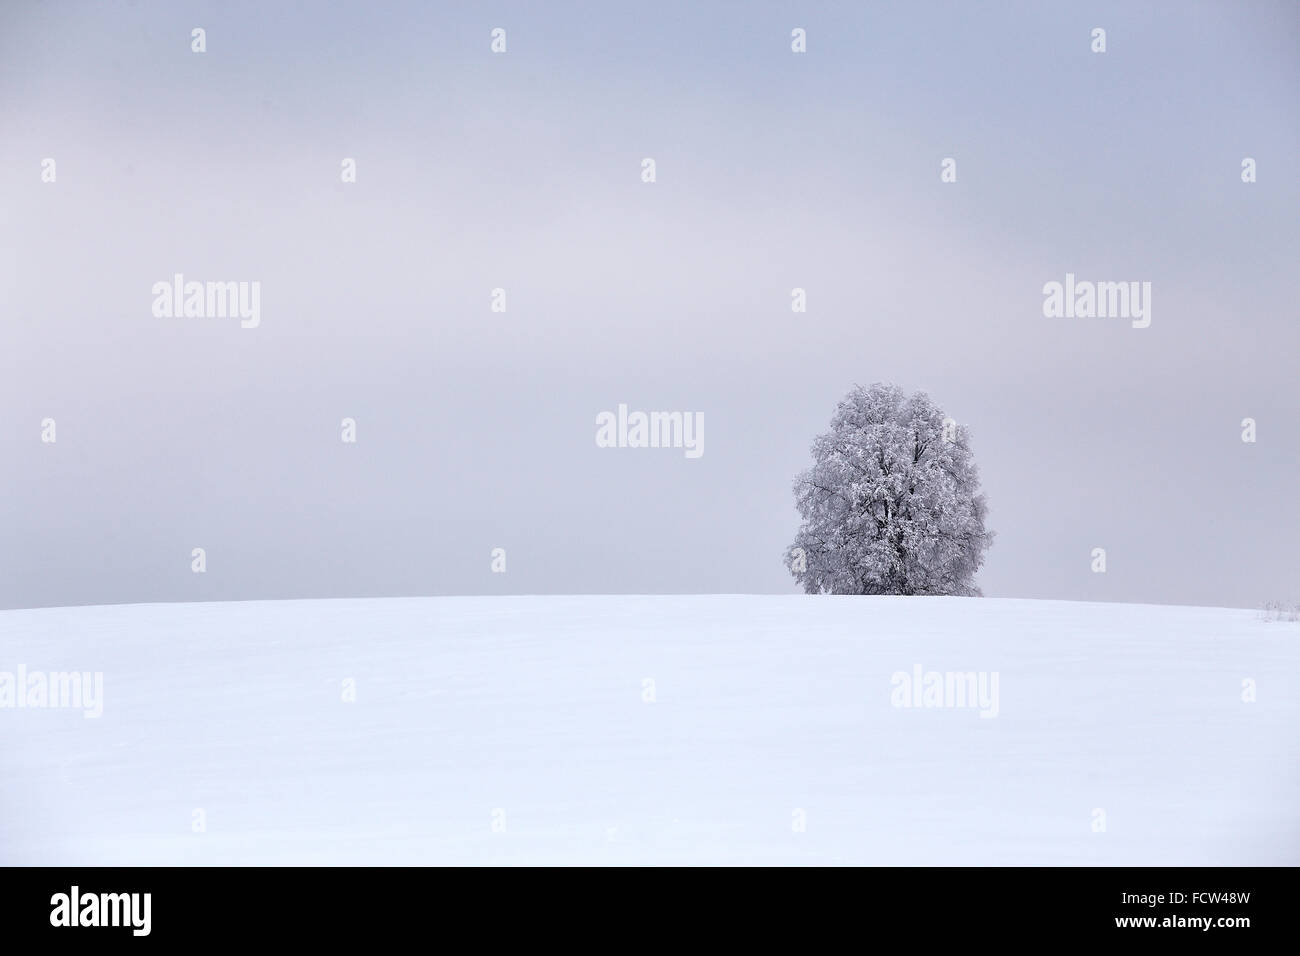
x=517, y=730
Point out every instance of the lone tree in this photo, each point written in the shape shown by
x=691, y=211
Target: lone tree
x=892, y=503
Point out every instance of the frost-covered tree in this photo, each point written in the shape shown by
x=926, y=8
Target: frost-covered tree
x=892, y=503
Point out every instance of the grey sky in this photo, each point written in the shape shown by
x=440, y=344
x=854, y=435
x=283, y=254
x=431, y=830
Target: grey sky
x=522, y=171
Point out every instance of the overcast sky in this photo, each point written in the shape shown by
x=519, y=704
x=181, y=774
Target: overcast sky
x=523, y=171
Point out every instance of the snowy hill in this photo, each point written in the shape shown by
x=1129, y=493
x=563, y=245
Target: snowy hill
x=527, y=730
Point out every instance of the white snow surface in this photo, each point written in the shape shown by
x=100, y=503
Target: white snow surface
x=529, y=713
